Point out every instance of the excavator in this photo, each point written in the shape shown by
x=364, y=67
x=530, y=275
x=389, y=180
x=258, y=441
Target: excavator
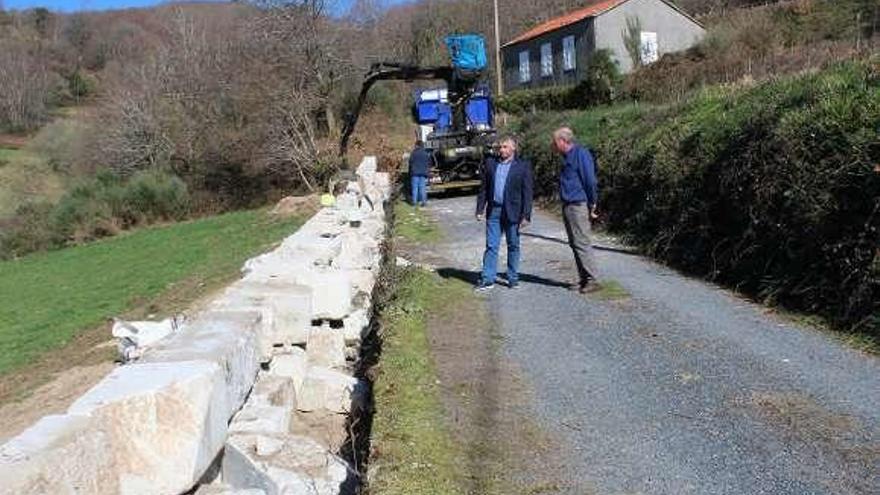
x=456, y=122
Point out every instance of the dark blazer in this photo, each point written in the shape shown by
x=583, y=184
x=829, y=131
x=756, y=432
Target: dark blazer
x=517, y=193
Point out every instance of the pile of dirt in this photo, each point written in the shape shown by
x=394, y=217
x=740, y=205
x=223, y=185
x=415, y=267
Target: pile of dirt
x=296, y=205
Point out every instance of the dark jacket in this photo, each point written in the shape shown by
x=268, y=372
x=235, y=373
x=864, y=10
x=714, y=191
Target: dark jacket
x=420, y=161
x=517, y=193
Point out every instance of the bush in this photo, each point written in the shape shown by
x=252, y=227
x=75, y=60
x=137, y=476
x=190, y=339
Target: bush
x=152, y=196
x=30, y=230
x=80, y=84
x=100, y=207
x=601, y=86
x=770, y=189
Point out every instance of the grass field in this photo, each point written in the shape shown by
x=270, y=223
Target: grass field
x=47, y=298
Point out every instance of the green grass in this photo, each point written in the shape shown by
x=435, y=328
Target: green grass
x=7, y=155
x=412, y=224
x=47, y=298
x=414, y=451
x=611, y=290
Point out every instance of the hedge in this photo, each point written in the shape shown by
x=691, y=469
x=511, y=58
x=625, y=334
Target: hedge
x=772, y=189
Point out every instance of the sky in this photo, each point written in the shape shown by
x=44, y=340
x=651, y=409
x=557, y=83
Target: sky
x=76, y=5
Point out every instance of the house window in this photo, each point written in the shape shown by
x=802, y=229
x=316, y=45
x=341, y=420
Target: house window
x=649, y=50
x=568, y=53
x=524, y=75
x=546, y=60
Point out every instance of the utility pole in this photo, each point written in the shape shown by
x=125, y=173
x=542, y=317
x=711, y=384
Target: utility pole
x=500, y=89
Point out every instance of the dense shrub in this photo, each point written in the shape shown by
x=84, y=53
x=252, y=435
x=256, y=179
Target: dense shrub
x=96, y=208
x=80, y=84
x=601, y=86
x=772, y=189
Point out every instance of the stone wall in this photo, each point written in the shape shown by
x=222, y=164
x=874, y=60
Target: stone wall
x=249, y=396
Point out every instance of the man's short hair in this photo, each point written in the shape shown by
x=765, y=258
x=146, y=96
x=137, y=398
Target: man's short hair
x=419, y=142
x=509, y=138
x=564, y=133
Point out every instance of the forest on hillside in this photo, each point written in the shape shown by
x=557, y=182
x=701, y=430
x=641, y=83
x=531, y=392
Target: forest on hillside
x=134, y=116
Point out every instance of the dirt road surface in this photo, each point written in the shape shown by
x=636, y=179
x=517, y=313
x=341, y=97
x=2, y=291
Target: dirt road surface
x=668, y=385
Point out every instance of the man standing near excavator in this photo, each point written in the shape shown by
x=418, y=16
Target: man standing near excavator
x=505, y=199
x=420, y=161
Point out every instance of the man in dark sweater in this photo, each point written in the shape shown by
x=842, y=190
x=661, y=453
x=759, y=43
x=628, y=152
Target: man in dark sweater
x=420, y=161
x=579, y=195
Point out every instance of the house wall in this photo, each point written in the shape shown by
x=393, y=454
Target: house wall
x=583, y=44
x=675, y=31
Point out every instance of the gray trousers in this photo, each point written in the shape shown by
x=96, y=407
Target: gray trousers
x=577, y=226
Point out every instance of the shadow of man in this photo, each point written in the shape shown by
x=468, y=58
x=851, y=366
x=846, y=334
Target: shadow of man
x=472, y=277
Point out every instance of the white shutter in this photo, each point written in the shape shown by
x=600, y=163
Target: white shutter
x=524, y=75
x=546, y=60
x=568, y=54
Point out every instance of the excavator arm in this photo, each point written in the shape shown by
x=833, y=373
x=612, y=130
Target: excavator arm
x=458, y=90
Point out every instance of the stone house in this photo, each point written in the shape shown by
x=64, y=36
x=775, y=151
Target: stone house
x=557, y=52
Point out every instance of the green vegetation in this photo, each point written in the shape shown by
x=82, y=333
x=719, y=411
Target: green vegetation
x=611, y=290
x=413, y=225
x=24, y=176
x=96, y=208
x=7, y=155
x=47, y=298
x=414, y=450
x=770, y=188
x=601, y=86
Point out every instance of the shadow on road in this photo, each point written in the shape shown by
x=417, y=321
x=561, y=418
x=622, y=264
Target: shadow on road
x=472, y=277
x=595, y=246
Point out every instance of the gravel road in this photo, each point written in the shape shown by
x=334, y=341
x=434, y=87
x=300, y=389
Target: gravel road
x=679, y=388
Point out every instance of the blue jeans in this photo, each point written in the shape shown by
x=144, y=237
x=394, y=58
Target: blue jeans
x=495, y=225
x=419, y=186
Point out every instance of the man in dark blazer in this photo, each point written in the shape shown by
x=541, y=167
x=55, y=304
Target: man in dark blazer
x=505, y=201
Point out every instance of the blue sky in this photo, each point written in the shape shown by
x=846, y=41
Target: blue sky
x=75, y=5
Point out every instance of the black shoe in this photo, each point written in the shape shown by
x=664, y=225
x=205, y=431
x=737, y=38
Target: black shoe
x=484, y=287
x=514, y=285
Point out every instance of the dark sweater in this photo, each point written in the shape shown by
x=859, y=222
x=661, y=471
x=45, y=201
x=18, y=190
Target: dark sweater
x=420, y=162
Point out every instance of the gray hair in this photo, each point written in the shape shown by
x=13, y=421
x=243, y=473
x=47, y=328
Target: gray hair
x=509, y=138
x=564, y=133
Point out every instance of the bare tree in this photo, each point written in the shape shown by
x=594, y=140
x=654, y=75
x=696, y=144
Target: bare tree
x=26, y=83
